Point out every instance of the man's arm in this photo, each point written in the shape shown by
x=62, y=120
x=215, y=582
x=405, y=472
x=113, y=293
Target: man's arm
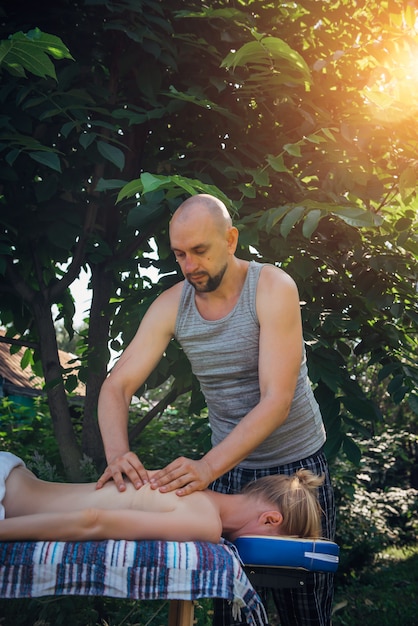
x=130, y=372
x=280, y=356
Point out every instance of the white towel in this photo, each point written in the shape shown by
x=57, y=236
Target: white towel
x=8, y=461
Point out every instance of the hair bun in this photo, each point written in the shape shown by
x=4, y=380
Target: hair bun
x=308, y=479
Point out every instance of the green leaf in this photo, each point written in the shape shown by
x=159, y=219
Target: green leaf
x=25, y=142
x=110, y=183
x=290, y=220
x=303, y=266
x=67, y=128
x=247, y=190
x=404, y=223
x=400, y=394
x=386, y=370
x=86, y=139
x=357, y=217
x=248, y=236
x=11, y=157
x=30, y=52
x=26, y=359
x=260, y=176
x=71, y=383
x=407, y=182
x=132, y=188
x=413, y=403
x=273, y=53
x=248, y=53
x=293, y=149
x=352, y=450
x=333, y=443
x=382, y=99
x=200, y=101
x=151, y=183
x=276, y=163
x=112, y=154
x=315, y=139
x=270, y=218
x=310, y=223
x=141, y=215
x=413, y=315
x=395, y=383
x=360, y=407
x=50, y=159
x=328, y=133
x=174, y=185
x=281, y=51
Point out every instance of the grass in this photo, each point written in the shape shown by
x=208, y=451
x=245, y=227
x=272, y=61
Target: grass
x=386, y=594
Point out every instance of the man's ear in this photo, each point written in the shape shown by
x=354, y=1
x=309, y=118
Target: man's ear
x=271, y=518
x=232, y=239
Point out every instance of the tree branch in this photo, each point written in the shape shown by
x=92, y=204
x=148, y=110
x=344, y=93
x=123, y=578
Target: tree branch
x=156, y=410
x=73, y=269
x=19, y=342
x=25, y=292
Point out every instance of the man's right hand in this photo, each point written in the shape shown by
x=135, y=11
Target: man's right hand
x=127, y=465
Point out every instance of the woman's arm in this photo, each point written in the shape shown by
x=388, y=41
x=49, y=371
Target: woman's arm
x=68, y=526
x=98, y=524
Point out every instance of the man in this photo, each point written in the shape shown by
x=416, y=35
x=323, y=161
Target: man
x=239, y=324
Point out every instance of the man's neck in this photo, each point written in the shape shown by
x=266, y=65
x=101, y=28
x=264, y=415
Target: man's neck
x=214, y=305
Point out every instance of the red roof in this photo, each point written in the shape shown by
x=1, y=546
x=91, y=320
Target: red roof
x=11, y=370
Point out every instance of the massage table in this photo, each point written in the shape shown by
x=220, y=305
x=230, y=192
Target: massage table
x=149, y=570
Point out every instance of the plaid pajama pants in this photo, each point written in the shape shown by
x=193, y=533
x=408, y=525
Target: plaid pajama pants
x=312, y=604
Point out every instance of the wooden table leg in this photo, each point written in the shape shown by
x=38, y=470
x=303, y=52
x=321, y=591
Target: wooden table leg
x=181, y=613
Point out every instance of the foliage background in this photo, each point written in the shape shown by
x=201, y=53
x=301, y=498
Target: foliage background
x=301, y=117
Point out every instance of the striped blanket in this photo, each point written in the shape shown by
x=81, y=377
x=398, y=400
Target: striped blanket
x=144, y=570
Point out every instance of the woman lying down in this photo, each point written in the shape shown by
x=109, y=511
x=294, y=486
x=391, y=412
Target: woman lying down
x=34, y=509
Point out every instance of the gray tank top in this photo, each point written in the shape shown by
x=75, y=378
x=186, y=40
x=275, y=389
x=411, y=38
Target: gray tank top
x=224, y=357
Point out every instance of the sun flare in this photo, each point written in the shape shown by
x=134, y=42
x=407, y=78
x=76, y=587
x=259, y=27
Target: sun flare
x=392, y=91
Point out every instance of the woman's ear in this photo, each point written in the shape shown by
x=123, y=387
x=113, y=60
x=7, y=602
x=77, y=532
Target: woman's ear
x=273, y=519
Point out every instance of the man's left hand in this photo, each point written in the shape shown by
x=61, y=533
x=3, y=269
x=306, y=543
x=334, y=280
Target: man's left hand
x=184, y=476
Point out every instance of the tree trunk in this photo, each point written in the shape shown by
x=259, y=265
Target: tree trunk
x=57, y=398
x=98, y=360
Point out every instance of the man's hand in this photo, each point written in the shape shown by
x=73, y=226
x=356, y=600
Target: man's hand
x=129, y=465
x=183, y=475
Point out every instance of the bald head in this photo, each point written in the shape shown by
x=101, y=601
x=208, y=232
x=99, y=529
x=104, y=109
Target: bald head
x=203, y=204
x=203, y=240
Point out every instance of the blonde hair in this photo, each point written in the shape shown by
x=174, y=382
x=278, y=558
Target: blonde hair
x=295, y=497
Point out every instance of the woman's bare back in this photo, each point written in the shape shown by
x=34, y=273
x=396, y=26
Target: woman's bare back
x=26, y=494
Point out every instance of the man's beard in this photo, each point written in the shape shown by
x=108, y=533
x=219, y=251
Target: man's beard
x=212, y=282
